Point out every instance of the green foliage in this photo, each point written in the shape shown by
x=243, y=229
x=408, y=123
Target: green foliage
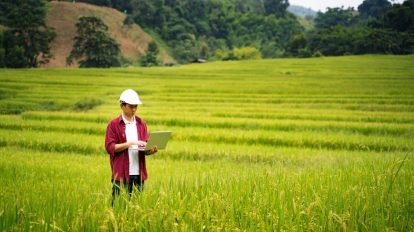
x=243, y=53
x=333, y=41
x=121, y=5
x=97, y=2
x=197, y=29
x=185, y=50
x=276, y=7
x=129, y=20
x=2, y=51
x=383, y=41
x=15, y=57
x=304, y=52
x=334, y=17
x=388, y=30
x=340, y=40
x=399, y=18
x=150, y=57
x=206, y=29
x=2, y=63
x=317, y=54
x=297, y=45
x=272, y=49
x=373, y=8
x=27, y=38
x=93, y=46
x=149, y=13
x=221, y=54
x=124, y=61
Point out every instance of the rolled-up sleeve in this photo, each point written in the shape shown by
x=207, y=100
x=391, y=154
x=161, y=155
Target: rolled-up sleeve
x=110, y=139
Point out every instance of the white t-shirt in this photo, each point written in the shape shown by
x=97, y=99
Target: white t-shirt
x=131, y=133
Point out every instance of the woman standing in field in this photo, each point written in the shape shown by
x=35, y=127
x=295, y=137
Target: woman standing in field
x=125, y=136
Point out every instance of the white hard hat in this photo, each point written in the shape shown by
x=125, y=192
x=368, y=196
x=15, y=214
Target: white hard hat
x=130, y=96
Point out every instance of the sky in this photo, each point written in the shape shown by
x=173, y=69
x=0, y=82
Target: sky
x=323, y=4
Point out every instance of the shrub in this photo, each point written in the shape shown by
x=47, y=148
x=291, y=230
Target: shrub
x=304, y=52
x=243, y=53
x=88, y=104
x=221, y=54
x=246, y=53
x=317, y=54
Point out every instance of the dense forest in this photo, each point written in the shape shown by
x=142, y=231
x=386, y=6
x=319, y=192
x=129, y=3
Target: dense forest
x=204, y=29
x=240, y=29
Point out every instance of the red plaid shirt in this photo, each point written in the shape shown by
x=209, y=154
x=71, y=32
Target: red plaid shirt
x=115, y=134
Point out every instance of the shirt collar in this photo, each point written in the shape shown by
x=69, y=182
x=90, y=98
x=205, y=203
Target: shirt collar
x=128, y=122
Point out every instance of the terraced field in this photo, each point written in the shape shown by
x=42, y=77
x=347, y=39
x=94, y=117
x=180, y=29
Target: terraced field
x=292, y=144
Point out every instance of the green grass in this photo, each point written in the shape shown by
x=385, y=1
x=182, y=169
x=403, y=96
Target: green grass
x=290, y=144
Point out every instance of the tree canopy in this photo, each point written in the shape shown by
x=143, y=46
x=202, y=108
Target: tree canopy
x=374, y=8
x=150, y=57
x=93, y=46
x=27, y=38
x=377, y=27
x=197, y=29
x=212, y=29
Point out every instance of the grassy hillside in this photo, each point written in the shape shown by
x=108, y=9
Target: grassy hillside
x=62, y=16
x=321, y=144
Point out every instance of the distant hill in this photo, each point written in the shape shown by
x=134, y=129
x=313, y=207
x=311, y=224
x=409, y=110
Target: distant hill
x=62, y=16
x=301, y=11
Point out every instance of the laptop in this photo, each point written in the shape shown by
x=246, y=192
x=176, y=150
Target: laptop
x=159, y=139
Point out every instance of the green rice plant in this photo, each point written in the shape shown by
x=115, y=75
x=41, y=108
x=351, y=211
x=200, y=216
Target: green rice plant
x=204, y=195
x=52, y=141
x=320, y=144
x=86, y=104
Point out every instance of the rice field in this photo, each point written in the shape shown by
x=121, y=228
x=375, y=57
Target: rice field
x=321, y=144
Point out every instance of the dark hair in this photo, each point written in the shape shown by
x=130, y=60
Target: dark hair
x=122, y=103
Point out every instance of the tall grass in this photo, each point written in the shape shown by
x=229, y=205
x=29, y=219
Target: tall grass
x=206, y=196
x=320, y=144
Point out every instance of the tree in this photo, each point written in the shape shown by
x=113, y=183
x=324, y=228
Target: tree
x=399, y=17
x=2, y=51
x=335, y=16
x=148, y=13
x=383, y=41
x=122, y=5
x=150, y=56
x=276, y=7
x=27, y=38
x=334, y=41
x=98, y=2
x=373, y=8
x=93, y=46
x=296, y=45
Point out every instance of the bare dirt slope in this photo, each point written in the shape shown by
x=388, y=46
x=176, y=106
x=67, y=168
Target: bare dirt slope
x=62, y=16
